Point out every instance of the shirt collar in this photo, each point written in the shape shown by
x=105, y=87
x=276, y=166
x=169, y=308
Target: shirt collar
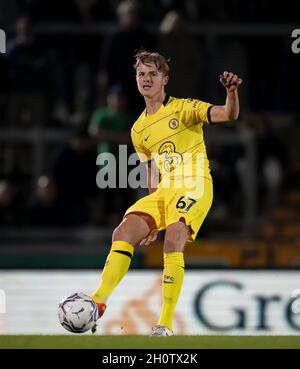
x=165, y=102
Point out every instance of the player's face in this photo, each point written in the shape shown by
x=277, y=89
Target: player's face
x=150, y=81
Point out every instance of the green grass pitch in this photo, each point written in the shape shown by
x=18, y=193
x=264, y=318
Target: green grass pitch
x=143, y=342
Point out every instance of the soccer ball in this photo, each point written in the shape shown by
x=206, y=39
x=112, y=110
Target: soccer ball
x=78, y=313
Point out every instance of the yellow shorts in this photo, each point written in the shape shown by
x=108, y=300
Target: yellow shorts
x=189, y=203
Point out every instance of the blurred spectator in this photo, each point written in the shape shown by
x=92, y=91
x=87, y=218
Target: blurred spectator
x=74, y=173
x=33, y=73
x=11, y=209
x=271, y=160
x=174, y=38
x=110, y=127
x=45, y=210
x=117, y=53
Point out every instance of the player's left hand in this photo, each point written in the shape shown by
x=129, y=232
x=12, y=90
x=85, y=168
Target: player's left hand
x=150, y=238
x=230, y=81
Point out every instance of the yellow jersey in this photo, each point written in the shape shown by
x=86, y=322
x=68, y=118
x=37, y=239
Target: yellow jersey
x=173, y=137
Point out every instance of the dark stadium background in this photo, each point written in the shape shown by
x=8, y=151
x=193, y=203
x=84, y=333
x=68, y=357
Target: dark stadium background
x=62, y=60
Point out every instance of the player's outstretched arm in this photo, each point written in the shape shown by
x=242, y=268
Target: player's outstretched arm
x=229, y=111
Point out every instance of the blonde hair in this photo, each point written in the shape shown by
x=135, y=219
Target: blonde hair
x=146, y=57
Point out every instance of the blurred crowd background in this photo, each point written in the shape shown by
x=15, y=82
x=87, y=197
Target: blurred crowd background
x=68, y=93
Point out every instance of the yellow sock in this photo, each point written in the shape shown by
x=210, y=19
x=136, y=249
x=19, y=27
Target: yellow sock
x=173, y=278
x=116, y=266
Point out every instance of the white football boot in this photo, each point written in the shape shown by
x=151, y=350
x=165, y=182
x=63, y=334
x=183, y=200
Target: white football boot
x=160, y=331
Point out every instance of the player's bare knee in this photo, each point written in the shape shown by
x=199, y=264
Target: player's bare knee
x=177, y=231
x=119, y=233
x=132, y=229
x=123, y=231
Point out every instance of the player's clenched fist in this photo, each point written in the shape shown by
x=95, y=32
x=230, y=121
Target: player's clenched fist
x=230, y=81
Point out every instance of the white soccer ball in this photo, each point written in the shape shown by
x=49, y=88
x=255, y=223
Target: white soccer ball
x=78, y=313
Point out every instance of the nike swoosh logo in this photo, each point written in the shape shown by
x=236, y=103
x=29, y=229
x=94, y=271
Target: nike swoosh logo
x=147, y=138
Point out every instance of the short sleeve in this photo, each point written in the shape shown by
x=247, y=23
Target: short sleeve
x=198, y=109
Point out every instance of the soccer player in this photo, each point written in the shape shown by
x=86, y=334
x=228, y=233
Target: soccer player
x=168, y=136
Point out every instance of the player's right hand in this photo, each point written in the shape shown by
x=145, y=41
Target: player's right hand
x=230, y=81
x=150, y=238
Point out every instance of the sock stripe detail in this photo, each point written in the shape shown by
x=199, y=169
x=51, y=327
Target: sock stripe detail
x=126, y=253
x=122, y=245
